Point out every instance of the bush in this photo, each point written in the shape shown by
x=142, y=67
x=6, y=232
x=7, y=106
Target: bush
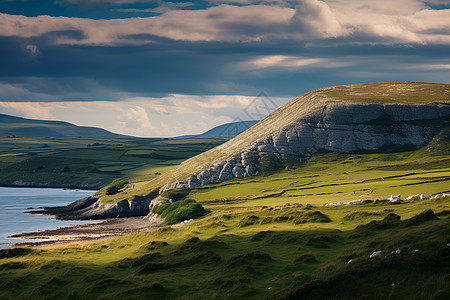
x=115, y=186
x=160, y=208
x=186, y=212
x=177, y=194
x=179, y=211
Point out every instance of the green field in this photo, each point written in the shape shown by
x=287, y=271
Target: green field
x=271, y=237
x=91, y=162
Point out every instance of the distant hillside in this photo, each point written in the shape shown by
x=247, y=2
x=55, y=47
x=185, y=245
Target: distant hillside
x=227, y=130
x=17, y=127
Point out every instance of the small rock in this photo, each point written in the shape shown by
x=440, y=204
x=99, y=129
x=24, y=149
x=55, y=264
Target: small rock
x=376, y=253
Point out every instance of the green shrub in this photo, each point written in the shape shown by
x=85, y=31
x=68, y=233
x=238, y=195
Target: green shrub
x=160, y=208
x=179, y=211
x=177, y=194
x=186, y=212
x=115, y=186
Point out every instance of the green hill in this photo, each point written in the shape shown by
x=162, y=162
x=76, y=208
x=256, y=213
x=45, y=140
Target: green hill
x=321, y=228
x=16, y=127
x=403, y=93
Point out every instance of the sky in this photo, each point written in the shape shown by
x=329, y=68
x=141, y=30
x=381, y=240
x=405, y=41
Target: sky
x=156, y=68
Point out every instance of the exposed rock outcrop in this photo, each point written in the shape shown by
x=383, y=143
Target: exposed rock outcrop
x=92, y=208
x=340, y=127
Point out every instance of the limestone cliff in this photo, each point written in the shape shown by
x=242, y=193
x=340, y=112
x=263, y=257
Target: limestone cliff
x=340, y=127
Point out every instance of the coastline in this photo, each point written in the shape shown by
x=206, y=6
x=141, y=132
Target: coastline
x=83, y=187
x=105, y=229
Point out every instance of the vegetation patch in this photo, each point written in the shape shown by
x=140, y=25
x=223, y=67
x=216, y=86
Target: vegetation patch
x=154, y=245
x=427, y=215
x=360, y=215
x=300, y=217
x=247, y=261
x=115, y=186
x=15, y=252
x=13, y=265
x=389, y=221
x=249, y=220
x=322, y=241
x=179, y=211
x=176, y=194
x=306, y=259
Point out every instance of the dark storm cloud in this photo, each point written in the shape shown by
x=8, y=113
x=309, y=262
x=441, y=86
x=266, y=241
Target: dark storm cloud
x=281, y=47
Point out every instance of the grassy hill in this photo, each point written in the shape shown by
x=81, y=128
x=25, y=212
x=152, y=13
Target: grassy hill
x=227, y=130
x=393, y=92
x=272, y=237
x=16, y=127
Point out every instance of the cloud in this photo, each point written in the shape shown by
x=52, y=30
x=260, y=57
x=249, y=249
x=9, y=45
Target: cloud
x=143, y=116
x=317, y=20
x=27, y=110
x=283, y=61
x=403, y=21
x=33, y=49
x=36, y=89
x=163, y=7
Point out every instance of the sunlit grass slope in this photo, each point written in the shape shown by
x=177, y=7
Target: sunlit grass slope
x=261, y=240
x=278, y=252
x=393, y=92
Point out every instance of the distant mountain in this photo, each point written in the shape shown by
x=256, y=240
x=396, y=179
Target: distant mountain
x=17, y=127
x=227, y=130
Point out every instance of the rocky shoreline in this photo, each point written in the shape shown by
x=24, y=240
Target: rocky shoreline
x=106, y=228
x=24, y=184
x=91, y=208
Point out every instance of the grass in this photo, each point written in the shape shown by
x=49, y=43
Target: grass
x=217, y=257
x=89, y=162
x=270, y=237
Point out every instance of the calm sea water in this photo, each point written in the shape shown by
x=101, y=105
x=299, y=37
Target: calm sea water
x=15, y=201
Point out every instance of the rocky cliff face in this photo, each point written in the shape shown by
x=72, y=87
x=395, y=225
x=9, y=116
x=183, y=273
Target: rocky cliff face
x=335, y=127
x=92, y=208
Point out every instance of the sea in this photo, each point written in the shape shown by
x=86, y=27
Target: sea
x=15, y=202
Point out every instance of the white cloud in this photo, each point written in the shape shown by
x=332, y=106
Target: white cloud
x=147, y=117
x=33, y=49
x=283, y=61
x=402, y=21
x=31, y=110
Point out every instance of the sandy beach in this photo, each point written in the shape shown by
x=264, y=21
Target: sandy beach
x=106, y=228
